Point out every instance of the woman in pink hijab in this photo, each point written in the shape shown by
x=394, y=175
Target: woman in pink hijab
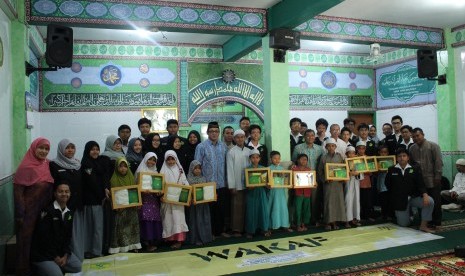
x=32, y=192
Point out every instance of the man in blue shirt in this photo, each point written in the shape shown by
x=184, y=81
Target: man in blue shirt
x=211, y=153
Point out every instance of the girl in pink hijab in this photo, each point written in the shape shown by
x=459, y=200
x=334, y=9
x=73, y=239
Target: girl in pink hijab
x=32, y=192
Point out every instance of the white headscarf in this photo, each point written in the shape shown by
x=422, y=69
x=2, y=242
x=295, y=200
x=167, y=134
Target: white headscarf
x=63, y=161
x=174, y=174
x=143, y=165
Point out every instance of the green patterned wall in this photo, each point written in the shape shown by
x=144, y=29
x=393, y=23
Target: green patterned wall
x=458, y=36
x=106, y=84
x=165, y=51
x=331, y=87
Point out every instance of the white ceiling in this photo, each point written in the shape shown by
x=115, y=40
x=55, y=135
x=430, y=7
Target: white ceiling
x=426, y=13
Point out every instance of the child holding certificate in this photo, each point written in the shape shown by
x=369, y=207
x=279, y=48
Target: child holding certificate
x=149, y=214
x=302, y=200
x=279, y=215
x=257, y=213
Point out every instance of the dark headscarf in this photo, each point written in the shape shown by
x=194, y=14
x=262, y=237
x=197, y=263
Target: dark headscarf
x=90, y=163
x=190, y=148
x=148, y=147
x=131, y=155
x=181, y=153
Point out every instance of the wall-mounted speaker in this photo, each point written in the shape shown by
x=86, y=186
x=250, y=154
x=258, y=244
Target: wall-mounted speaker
x=427, y=63
x=59, y=50
x=285, y=39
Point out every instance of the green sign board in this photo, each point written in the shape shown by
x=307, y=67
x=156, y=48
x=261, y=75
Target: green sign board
x=403, y=84
x=215, y=90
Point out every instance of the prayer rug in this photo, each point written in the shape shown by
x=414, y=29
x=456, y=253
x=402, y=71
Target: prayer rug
x=257, y=255
x=440, y=265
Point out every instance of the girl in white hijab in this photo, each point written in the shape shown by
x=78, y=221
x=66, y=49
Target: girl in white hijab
x=149, y=215
x=174, y=220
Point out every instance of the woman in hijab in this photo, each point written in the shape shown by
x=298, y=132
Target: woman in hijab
x=174, y=220
x=65, y=168
x=153, y=144
x=200, y=230
x=149, y=215
x=175, y=143
x=32, y=192
x=95, y=189
x=126, y=234
x=134, y=154
x=193, y=139
x=113, y=147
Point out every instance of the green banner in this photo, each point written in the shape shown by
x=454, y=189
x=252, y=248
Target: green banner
x=215, y=90
x=403, y=84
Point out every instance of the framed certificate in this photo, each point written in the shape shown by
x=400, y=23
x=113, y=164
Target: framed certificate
x=337, y=171
x=256, y=177
x=159, y=117
x=371, y=163
x=357, y=164
x=125, y=197
x=204, y=192
x=304, y=179
x=151, y=182
x=281, y=179
x=177, y=194
x=384, y=162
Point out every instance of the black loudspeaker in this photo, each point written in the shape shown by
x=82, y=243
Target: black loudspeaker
x=427, y=63
x=59, y=46
x=285, y=39
x=459, y=251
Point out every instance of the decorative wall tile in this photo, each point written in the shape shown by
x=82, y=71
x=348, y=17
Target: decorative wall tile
x=362, y=30
x=177, y=15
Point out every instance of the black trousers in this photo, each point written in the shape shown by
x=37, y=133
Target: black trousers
x=218, y=211
x=435, y=193
x=366, y=203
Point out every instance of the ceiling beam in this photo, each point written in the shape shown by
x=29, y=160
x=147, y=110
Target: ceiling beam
x=292, y=13
x=239, y=46
x=285, y=14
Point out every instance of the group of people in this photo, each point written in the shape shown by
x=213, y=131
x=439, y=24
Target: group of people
x=63, y=207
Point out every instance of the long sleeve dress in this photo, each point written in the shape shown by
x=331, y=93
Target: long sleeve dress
x=334, y=206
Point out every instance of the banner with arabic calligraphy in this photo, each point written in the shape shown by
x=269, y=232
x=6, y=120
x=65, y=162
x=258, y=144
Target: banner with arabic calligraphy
x=203, y=87
x=398, y=85
x=334, y=87
x=216, y=89
x=98, y=84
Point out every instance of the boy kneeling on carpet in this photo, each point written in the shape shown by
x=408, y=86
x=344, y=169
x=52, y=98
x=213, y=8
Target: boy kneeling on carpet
x=407, y=189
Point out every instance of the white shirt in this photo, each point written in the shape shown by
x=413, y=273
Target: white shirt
x=237, y=160
x=341, y=147
x=459, y=184
x=57, y=206
x=296, y=137
x=406, y=144
x=404, y=169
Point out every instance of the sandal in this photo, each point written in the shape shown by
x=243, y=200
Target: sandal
x=151, y=248
x=348, y=225
x=328, y=227
x=176, y=245
x=267, y=234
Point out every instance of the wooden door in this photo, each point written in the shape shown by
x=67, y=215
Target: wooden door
x=359, y=118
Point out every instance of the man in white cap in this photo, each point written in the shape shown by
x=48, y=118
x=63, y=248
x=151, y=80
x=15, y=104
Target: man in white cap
x=237, y=160
x=457, y=194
